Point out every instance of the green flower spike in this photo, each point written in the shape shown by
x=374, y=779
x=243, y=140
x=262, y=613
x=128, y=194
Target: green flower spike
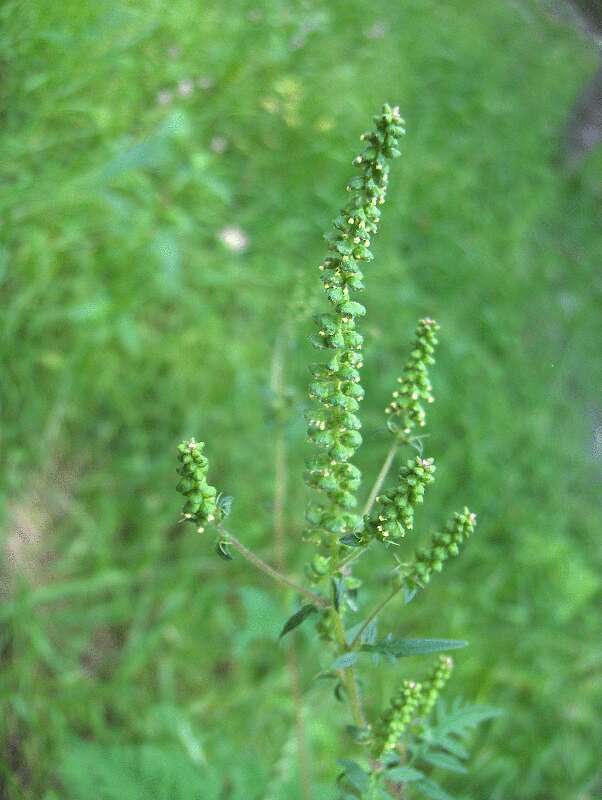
x=405, y=410
x=433, y=686
x=334, y=428
x=397, y=717
x=393, y=515
x=201, y=505
x=443, y=545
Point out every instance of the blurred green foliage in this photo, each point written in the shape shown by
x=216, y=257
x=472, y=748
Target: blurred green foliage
x=132, y=135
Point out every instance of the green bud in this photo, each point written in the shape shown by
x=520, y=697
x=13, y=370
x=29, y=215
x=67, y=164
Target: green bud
x=443, y=545
x=406, y=411
x=434, y=684
x=201, y=507
x=400, y=714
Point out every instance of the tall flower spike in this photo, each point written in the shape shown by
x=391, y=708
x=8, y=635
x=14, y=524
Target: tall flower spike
x=393, y=514
x=397, y=717
x=405, y=410
x=432, y=687
x=334, y=428
x=443, y=545
x=201, y=505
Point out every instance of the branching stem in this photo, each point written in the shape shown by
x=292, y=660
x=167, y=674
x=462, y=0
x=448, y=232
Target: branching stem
x=380, y=479
x=274, y=574
x=373, y=614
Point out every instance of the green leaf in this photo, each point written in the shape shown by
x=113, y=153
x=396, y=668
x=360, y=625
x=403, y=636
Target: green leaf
x=409, y=594
x=452, y=726
x=297, y=618
x=431, y=789
x=460, y=718
x=352, y=308
x=359, y=735
x=355, y=774
x=452, y=746
x=400, y=648
x=445, y=761
x=224, y=503
x=403, y=774
x=369, y=635
x=350, y=540
x=345, y=661
x=222, y=550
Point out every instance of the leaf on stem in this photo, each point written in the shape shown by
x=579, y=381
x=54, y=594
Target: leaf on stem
x=356, y=776
x=346, y=660
x=351, y=540
x=399, y=648
x=430, y=789
x=403, y=775
x=445, y=761
x=297, y=618
x=222, y=550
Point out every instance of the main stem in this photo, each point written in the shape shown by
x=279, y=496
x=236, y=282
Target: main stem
x=348, y=675
x=268, y=570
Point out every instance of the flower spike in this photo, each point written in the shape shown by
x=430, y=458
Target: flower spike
x=432, y=687
x=395, y=720
x=405, y=411
x=201, y=505
x=443, y=545
x=334, y=428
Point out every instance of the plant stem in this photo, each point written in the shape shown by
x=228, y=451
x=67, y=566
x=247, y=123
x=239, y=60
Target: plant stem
x=373, y=614
x=268, y=570
x=278, y=513
x=351, y=557
x=348, y=675
x=380, y=479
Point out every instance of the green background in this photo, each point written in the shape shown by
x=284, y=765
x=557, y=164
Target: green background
x=134, y=662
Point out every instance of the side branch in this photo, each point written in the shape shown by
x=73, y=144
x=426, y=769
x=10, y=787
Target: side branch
x=274, y=574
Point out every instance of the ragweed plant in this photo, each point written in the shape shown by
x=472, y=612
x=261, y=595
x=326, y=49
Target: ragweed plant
x=404, y=742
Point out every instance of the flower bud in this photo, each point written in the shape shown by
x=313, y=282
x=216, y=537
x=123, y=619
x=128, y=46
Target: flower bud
x=443, y=545
x=406, y=411
x=401, y=712
x=337, y=386
x=201, y=505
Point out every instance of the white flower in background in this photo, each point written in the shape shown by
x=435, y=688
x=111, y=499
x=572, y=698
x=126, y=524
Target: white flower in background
x=174, y=52
x=219, y=144
x=205, y=82
x=164, y=97
x=234, y=238
x=185, y=88
x=377, y=31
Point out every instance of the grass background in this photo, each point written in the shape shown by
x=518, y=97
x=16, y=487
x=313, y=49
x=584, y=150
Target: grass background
x=135, y=663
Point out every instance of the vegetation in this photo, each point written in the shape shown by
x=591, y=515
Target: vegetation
x=166, y=177
x=402, y=738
